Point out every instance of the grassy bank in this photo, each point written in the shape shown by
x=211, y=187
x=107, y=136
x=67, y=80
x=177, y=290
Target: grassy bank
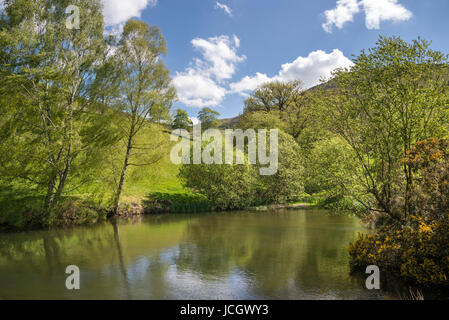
x=21, y=203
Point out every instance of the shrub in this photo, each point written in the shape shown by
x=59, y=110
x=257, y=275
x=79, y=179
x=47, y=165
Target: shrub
x=77, y=212
x=416, y=247
x=419, y=252
x=176, y=203
x=229, y=187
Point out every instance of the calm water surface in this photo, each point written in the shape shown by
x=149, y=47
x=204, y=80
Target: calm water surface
x=241, y=255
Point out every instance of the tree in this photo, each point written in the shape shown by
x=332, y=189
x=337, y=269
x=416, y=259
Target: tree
x=333, y=172
x=415, y=249
x=274, y=95
x=181, y=120
x=262, y=120
x=286, y=100
x=46, y=73
x=429, y=193
x=208, y=118
x=240, y=186
x=145, y=91
x=298, y=114
x=288, y=182
x=389, y=100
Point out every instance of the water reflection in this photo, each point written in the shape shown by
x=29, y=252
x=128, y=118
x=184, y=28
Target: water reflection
x=242, y=255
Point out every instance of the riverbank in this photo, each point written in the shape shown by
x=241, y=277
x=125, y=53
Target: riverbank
x=78, y=212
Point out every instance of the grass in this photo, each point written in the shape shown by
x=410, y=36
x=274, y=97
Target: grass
x=21, y=204
x=161, y=178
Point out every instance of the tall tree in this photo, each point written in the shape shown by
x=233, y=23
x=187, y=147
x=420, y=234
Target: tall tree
x=181, y=120
x=390, y=99
x=287, y=99
x=273, y=95
x=145, y=90
x=46, y=72
x=208, y=118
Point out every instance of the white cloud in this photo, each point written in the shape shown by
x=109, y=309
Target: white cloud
x=384, y=10
x=375, y=11
x=197, y=90
x=202, y=84
x=236, y=41
x=249, y=83
x=219, y=56
x=224, y=7
x=310, y=70
x=343, y=12
x=119, y=11
x=318, y=65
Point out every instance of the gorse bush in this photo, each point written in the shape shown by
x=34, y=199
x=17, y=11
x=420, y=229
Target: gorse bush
x=418, y=247
x=429, y=194
x=418, y=252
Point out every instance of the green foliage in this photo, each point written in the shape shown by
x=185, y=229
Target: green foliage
x=262, y=120
x=46, y=73
x=208, y=118
x=181, y=120
x=417, y=252
x=176, y=203
x=145, y=92
x=288, y=182
x=417, y=249
x=63, y=113
x=333, y=174
x=389, y=100
x=227, y=187
x=272, y=96
x=286, y=105
x=240, y=186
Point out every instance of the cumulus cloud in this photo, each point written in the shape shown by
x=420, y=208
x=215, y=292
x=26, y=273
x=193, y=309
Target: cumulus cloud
x=375, y=11
x=203, y=83
x=197, y=90
x=119, y=11
x=224, y=7
x=343, y=12
x=249, y=83
x=384, y=10
x=220, y=56
x=311, y=69
x=318, y=65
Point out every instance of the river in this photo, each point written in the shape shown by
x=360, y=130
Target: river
x=286, y=254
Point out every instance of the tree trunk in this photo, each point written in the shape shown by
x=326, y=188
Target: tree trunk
x=65, y=174
x=68, y=161
x=123, y=174
x=50, y=197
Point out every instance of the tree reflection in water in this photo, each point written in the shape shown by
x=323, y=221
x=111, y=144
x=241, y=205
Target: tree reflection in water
x=238, y=255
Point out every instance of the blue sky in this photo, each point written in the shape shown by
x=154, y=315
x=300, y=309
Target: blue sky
x=219, y=51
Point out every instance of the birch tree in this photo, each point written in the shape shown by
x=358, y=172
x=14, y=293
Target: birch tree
x=47, y=70
x=145, y=90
